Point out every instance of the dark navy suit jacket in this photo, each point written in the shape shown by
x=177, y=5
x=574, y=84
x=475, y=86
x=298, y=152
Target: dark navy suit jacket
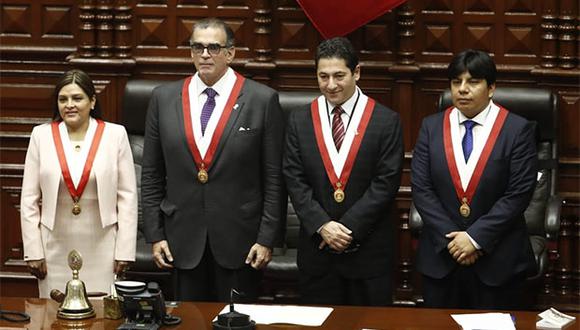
x=496, y=221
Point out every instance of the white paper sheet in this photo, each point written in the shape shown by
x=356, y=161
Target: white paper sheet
x=287, y=314
x=484, y=321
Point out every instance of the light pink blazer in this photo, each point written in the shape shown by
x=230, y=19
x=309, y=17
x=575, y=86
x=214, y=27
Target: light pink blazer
x=116, y=189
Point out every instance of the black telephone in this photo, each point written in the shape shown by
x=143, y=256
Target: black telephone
x=145, y=309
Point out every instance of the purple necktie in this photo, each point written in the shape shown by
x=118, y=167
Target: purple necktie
x=207, y=108
x=467, y=142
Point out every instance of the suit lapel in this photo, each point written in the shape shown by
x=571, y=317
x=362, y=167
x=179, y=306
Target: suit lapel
x=178, y=108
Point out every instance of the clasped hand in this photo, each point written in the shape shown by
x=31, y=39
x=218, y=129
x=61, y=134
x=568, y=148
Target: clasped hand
x=461, y=248
x=336, y=235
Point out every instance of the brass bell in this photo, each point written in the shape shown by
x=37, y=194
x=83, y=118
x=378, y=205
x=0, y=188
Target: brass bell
x=75, y=305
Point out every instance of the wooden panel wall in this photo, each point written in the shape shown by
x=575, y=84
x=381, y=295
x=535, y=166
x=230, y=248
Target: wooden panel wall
x=404, y=55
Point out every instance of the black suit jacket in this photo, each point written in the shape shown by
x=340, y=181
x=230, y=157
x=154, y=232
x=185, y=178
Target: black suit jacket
x=496, y=222
x=244, y=200
x=370, y=193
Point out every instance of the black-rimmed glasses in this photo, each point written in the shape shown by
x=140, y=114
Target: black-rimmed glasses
x=212, y=49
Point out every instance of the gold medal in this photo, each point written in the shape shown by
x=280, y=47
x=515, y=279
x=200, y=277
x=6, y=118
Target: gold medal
x=76, y=209
x=339, y=193
x=464, y=209
x=202, y=176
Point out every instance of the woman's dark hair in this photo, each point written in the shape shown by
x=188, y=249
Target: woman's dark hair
x=81, y=79
x=478, y=63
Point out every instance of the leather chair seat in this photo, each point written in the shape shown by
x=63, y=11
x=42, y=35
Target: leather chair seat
x=283, y=265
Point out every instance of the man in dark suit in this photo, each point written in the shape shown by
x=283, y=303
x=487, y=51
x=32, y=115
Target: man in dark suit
x=212, y=186
x=342, y=166
x=473, y=174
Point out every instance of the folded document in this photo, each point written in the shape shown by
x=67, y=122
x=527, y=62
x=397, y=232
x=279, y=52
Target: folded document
x=553, y=320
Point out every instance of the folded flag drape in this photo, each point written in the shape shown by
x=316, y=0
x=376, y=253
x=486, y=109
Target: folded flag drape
x=333, y=18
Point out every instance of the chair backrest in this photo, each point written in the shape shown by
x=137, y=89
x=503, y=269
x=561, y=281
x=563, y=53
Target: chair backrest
x=539, y=106
x=290, y=101
x=135, y=102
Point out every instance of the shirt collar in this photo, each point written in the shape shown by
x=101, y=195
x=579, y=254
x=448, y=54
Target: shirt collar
x=219, y=86
x=479, y=118
x=348, y=105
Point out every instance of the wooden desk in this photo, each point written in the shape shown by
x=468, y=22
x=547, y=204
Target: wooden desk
x=199, y=316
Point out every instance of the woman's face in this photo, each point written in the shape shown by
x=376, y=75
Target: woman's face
x=74, y=105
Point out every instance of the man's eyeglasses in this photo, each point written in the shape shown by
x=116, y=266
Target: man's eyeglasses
x=212, y=49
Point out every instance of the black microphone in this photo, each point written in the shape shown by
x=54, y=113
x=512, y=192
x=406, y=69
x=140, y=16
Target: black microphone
x=233, y=320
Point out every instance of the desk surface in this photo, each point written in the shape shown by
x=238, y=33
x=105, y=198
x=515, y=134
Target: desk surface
x=199, y=316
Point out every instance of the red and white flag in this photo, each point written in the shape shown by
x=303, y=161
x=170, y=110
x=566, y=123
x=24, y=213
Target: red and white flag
x=334, y=18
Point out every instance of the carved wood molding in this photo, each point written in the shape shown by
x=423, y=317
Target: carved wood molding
x=406, y=22
x=86, y=47
x=560, y=34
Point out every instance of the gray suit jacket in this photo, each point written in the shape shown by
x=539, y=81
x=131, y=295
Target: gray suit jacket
x=244, y=200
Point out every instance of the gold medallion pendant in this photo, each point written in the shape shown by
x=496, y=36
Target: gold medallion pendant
x=202, y=176
x=464, y=209
x=76, y=209
x=339, y=193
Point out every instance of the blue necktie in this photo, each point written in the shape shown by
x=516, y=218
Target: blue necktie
x=207, y=108
x=467, y=142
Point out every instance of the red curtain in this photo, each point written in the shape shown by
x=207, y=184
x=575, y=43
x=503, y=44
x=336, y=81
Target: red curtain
x=333, y=18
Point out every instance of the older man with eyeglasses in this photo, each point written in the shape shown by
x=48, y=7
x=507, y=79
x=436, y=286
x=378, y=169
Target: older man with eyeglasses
x=212, y=191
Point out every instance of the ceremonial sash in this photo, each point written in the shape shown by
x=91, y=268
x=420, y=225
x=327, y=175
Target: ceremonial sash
x=204, y=163
x=465, y=196
x=76, y=192
x=339, y=183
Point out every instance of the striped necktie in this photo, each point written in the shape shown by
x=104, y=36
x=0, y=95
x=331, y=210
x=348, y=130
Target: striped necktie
x=337, y=127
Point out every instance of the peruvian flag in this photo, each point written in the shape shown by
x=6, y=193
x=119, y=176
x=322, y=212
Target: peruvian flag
x=333, y=18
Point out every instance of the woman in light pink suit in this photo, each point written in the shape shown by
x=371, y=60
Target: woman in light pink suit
x=78, y=192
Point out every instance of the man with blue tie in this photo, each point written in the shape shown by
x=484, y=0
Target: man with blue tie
x=473, y=174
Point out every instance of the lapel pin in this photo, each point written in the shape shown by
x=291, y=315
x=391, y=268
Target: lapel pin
x=236, y=106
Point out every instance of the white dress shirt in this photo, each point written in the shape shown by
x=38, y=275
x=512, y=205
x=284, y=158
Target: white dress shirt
x=197, y=99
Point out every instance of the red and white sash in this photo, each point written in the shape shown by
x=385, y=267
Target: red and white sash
x=203, y=163
x=468, y=193
x=76, y=191
x=339, y=179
